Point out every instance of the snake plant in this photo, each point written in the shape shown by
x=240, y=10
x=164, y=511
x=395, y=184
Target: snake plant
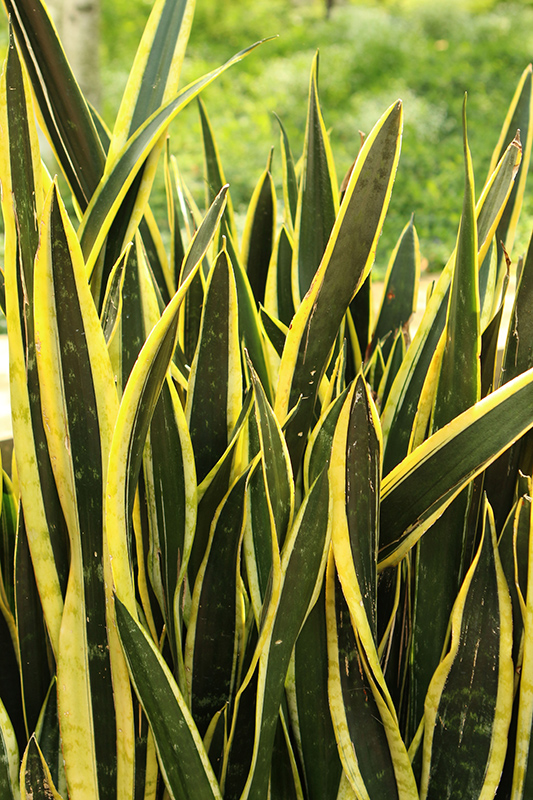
x=256, y=542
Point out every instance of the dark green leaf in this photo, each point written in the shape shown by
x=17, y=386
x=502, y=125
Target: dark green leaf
x=316, y=202
x=346, y=263
x=214, y=629
x=400, y=289
x=66, y=114
x=181, y=754
x=215, y=381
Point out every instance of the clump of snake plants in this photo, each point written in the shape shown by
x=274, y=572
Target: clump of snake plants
x=256, y=542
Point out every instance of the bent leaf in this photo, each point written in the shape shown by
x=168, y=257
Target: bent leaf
x=418, y=490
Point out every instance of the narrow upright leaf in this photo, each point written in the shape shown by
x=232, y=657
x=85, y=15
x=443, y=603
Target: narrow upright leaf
x=303, y=561
x=520, y=756
x=259, y=232
x=290, y=182
x=155, y=72
x=79, y=406
x=215, y=384
x=402, y=404
x=439, y=560
x=36, y=780
x=469, y=702
x=317, y=199
x=184, y=762
x=215, y=629
x=22, y=203
x=67, y=117
x=346, y=263
x=370, y=748
x=519, y=118
x=400, y=289
x=355, y=474
x=9, y=757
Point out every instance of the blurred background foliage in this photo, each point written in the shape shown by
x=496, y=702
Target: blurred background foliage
x=427, y=52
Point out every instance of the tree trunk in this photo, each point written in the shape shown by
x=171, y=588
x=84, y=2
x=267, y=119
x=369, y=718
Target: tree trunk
x=78, y=23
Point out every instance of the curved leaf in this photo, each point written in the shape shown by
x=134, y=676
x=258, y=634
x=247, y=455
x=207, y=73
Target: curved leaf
x=418, y=490
x=67, y=117
x=399, y=414
x=114, y=186
x=155, y=72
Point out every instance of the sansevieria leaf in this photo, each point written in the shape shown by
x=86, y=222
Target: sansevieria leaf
x=48, y=737
x=310, y=708
x=21, y=179
x=399, y=414
x=276, y=462
x=31, y=639
x=215, y=382
x=259, y=232
x=355, y=475
x=469, y=701
x=355, y=472
x=79, y=407
x=443, y=465
x=215, y=627
x=153, y=80
x=67, y=117
x=522, y=780
x=501, y=477
x=373, y=756
x=9, y=757
x=36, y=780
x=214, y=172
x=303, y=556
x=278, y=295
x=114, y=186
x=271, y=499
x=318, y=190
x=290, y=181
x=400, y=289
x=213, y=489
x=170, y=487
x=439, y=564
x=135, y=413
x=346, y=263
x=518, y=118
x=155, y=72
x=184, y=762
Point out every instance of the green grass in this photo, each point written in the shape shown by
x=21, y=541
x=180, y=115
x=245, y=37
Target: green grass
x=428, y=55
